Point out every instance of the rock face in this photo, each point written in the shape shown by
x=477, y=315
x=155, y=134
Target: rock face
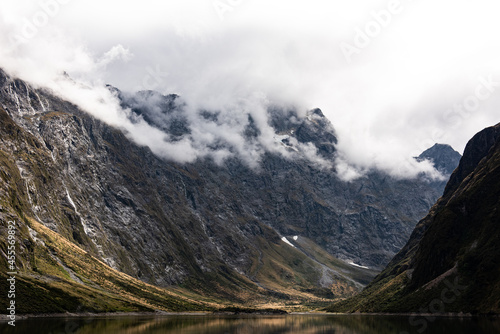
x=454, y=249
x=297, y=198
x=190, y=225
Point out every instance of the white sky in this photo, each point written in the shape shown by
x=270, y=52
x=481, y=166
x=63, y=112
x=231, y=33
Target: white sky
x=395, y=96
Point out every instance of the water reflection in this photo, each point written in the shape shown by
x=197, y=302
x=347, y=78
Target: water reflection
x=309, y=324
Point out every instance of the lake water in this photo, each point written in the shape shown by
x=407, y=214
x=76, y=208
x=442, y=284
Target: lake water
x=211, y=324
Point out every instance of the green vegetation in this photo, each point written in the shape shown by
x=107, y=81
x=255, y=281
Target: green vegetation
x=48, y=287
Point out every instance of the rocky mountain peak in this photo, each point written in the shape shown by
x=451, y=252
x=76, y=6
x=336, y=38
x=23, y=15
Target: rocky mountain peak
x=317, y=129
x=443, y=156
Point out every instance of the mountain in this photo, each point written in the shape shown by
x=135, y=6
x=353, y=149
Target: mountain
x=104, y=224
x=450, y=263
x=377, y=211
x=444, y=158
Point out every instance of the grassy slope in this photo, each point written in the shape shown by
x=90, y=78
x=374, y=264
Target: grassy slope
x=46, y=281
x=282, y=276
x=56, y=276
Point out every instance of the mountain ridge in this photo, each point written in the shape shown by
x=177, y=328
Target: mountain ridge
x=212, y=231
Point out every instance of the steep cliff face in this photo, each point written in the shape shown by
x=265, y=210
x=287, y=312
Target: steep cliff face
x=454, y=249
x=228, y=231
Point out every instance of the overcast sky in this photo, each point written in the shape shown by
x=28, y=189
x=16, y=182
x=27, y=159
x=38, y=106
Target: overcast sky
x=394, y=77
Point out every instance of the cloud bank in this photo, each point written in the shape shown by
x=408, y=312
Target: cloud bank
x=415, y=74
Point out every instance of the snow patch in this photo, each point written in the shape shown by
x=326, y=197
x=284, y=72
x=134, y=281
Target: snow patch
x=279, y=139
x=296, y=237
x=357, y=265
x=285, y=240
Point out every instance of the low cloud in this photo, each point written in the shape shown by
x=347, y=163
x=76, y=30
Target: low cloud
x=388, y=104
x=117, y=53
x=219, y=137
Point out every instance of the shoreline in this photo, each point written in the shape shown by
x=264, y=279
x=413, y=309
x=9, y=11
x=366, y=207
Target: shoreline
x=4, y=317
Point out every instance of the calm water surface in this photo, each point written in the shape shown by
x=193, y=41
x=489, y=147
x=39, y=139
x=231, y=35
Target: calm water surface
x=312, y=324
